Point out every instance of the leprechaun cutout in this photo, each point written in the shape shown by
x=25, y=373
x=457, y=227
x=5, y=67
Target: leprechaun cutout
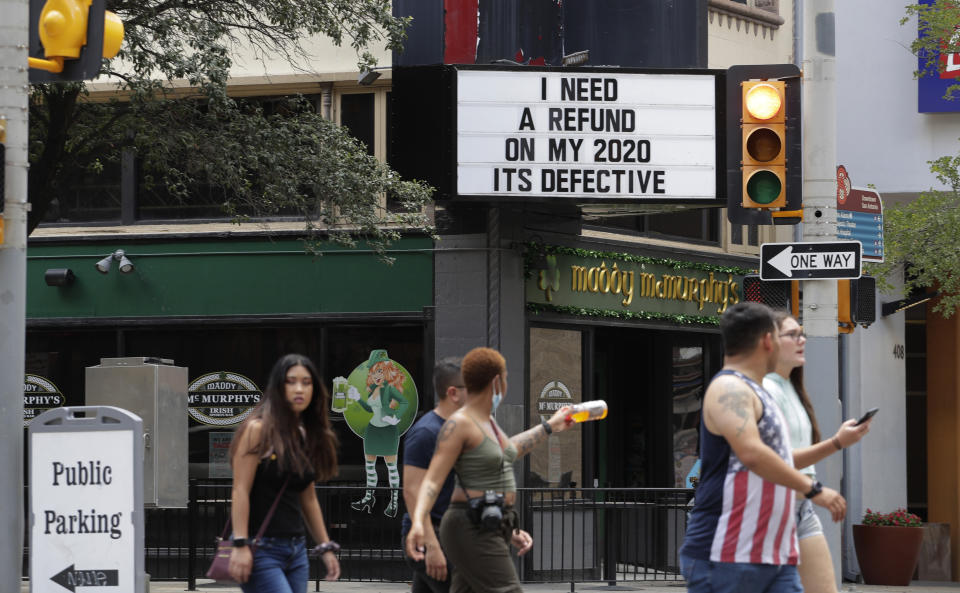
x=381, y=406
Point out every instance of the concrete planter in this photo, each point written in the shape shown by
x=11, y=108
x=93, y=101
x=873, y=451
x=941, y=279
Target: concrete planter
x=887, y=554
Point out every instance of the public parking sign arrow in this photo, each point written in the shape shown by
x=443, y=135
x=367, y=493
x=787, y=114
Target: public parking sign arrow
x=71, y=578
x=791, y=261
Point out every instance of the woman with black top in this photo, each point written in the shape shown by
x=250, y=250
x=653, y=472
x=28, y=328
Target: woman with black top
x=284, y=446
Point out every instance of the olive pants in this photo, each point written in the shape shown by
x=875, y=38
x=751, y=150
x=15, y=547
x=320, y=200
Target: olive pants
x=482, y=557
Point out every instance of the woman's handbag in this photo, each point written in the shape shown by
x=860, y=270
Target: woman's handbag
x=220, y=567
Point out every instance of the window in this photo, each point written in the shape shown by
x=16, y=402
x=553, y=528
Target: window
x=366, y=114
x=62, y=355
x=123, y=192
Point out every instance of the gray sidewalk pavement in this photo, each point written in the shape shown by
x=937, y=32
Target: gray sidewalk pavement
x=205, y=586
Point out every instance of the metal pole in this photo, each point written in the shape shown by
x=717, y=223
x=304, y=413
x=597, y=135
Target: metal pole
x=820, y=224
x=13, y=273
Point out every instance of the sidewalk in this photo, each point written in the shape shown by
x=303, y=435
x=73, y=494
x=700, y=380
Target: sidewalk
x=645, y=586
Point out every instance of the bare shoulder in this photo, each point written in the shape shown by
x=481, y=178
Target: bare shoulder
x=458, y=428
x=729, y=397
x=251, y=435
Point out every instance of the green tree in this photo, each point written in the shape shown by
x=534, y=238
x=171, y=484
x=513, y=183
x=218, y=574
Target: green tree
x=253, y=162
x=922, y=237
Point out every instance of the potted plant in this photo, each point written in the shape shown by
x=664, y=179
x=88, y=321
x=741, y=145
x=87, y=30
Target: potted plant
x=887, y=546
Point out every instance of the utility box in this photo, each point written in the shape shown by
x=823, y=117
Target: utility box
x=156, y=391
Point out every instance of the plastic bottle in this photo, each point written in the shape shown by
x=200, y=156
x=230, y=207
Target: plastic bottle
x=592, y=410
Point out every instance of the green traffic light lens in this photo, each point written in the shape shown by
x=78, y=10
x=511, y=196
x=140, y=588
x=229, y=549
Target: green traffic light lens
x=764, y=187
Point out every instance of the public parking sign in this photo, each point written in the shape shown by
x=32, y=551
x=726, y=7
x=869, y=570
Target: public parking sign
x=798, y=261
x=86, y=501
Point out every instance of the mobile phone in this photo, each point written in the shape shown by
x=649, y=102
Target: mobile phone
x=867, y=416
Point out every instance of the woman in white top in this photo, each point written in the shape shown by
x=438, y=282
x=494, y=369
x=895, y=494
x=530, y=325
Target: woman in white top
x=786, y=387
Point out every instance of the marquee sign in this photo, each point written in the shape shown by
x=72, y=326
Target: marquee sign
x=588, y=134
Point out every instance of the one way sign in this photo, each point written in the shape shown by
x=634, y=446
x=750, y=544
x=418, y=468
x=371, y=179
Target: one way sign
x=792, y=261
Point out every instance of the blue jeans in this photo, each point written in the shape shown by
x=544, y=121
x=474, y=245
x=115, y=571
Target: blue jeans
x=279, y=566
x=706, y=576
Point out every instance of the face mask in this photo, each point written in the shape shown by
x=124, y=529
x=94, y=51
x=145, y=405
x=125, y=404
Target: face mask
x=497, y=396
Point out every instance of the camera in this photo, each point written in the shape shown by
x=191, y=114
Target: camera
x=487, y=510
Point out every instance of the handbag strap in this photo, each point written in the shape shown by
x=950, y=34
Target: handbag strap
x=266, y=520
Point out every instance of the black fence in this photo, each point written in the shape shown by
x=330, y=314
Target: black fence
x=580, y=534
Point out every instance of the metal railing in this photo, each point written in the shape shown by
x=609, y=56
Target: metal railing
x=580, y=534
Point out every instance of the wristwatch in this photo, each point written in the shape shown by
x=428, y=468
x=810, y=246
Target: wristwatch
x=239, y=542
x=815, y=489
x=330, y=546
x=546, y=427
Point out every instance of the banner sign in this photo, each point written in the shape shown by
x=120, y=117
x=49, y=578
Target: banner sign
x=610, y=284
x=587, y=134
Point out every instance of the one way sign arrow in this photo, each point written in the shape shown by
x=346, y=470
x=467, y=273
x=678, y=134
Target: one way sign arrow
x=70, y=578
x=786, y=261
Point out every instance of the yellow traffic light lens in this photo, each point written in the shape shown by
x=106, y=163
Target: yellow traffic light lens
x=764, y=186
x=763, y=101
x=763, y=145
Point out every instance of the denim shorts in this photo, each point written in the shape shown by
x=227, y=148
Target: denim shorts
x=706, y=576
x=279, y=566
x=808, y=523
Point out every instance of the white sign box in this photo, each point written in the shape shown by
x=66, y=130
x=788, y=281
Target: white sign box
x=602, y=135
x=86, y=529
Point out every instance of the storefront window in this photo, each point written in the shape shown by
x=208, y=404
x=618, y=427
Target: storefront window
x=232, y=360
x=687, y=390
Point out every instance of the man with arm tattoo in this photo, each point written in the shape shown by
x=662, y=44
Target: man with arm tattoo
x=418, y=448
x=742, y=531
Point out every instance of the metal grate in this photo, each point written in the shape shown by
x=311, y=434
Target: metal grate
x=773, y=293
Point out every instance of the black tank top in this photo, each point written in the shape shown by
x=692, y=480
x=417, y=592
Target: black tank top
x=288, y=518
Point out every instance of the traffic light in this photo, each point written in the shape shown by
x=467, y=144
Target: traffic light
x=856, y=303
x=776, y=294
x=70, y=38
x=763, y=131
x=764, y=154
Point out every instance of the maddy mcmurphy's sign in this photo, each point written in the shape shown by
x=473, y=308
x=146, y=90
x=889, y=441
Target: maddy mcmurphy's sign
x=222, y=399
x=609, y=284
x=39, y=395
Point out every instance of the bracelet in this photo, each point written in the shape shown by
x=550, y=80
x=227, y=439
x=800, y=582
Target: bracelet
x=546, y=427
x=328, y=546
x=836, y=443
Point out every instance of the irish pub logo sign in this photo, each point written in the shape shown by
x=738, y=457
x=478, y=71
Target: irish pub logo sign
x=599, y=282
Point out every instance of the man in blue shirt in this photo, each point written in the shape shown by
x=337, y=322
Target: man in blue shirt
x=418, y=447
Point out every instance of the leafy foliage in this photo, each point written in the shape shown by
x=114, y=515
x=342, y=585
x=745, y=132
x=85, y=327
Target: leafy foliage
x=923, y=237
x=938, y=34
x=254, y=162
x=898, y=518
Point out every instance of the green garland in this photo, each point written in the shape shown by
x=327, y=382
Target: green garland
x=538, y=308
x=533, y=250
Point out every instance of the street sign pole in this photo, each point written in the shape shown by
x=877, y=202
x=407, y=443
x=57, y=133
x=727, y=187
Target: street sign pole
x=821, y=371
x=13, y=279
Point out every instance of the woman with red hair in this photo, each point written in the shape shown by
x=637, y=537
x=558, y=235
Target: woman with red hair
x=480, y=523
